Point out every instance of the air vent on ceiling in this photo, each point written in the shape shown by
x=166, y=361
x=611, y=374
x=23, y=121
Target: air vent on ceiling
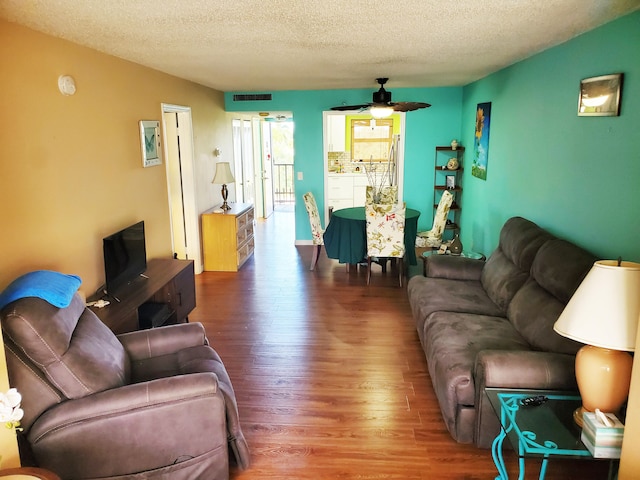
x=251, y=97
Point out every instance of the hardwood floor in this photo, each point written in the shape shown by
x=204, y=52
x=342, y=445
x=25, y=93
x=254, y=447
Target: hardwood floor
x=329, y=375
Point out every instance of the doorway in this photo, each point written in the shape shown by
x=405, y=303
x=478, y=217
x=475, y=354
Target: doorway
x=360, y=150
x=263, y=161
x=178, y=148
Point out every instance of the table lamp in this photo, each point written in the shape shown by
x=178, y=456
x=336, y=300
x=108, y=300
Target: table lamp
x=603, y=314
x=223, y=176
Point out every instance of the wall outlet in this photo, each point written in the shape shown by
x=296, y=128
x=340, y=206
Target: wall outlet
x=299, y=175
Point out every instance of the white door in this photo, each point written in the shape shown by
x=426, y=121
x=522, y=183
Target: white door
x=247, y=162
x=267, y=169
x=174, y=181
x=237, y=159
x=178, y=152
x=243, y=155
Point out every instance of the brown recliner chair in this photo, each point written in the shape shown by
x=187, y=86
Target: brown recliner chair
x=149, y=404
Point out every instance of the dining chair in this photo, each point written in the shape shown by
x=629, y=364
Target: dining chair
x=388, y=195
x=433, y=237
x=385, y=235
x=316, y=227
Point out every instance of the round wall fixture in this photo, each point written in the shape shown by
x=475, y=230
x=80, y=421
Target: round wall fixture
x=66, y=84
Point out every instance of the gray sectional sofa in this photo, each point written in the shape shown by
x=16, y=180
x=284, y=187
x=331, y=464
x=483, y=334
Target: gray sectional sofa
x=491, y=324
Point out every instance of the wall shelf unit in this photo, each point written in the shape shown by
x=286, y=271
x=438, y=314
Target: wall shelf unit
x=447, y=178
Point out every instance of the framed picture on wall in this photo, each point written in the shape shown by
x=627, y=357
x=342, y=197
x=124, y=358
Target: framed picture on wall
x=600, y=96
x=150, y=142
x=481, y=141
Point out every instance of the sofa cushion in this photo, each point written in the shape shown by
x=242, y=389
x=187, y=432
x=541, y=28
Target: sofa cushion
x=560, y=267
x=556, y=273
x=428, y=295
x=454, y=341
x=76, y=351
x=508, y=267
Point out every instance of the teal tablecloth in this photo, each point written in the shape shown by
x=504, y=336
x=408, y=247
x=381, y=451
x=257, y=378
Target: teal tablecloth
x=345, y=238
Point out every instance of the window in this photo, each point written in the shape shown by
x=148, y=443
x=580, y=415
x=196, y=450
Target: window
x=371, y=139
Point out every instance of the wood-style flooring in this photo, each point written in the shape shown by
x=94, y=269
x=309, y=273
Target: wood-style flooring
x=329, y=374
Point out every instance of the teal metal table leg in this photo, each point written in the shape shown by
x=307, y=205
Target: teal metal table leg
x=496, y=450
x=521, y=464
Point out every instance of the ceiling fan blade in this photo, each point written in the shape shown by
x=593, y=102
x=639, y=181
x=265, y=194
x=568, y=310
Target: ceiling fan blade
x=409, y=106
x=351, y=107
x=382, y=98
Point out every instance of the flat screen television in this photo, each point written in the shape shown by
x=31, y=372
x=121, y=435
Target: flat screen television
x=125, y=257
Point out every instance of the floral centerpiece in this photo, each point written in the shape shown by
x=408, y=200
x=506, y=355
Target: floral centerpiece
x=380, y=175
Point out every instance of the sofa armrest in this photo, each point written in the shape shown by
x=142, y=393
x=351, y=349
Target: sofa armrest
x=158, y=417
x=143, y=344
x=453, y=268
x=516, y=369
x=525, y=369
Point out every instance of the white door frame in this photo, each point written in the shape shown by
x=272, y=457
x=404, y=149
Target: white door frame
x=185, y=146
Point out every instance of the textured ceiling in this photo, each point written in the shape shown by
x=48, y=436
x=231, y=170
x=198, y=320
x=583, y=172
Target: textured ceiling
x=264, y=45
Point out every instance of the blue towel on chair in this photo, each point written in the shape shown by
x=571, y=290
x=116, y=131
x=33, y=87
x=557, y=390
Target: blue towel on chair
x=54, y=287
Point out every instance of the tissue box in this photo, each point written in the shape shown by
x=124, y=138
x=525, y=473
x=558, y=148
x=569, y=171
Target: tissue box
x=602, y=441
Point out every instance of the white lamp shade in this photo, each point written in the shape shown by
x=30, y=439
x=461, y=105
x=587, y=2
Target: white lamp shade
x=605, y=308
x=223, y=174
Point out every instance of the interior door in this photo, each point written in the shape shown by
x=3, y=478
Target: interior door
x=174, y=178
x=267, y=169
x=247, y=162
x=179, y=159
x=236, y=126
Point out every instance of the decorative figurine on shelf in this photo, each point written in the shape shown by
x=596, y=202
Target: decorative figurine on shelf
x=454, y=144
x=453, y=164
x=456, y=245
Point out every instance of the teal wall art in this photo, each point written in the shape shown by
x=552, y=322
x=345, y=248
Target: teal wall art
x=481, y=141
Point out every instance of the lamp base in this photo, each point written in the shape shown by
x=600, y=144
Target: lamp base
x=603, y=377
x=577, y=416
x=225, y=194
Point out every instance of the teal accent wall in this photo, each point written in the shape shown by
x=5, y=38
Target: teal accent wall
x=577, y=176
x=425, y=129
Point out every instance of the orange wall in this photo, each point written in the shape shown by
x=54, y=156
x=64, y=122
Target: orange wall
x=70, y=166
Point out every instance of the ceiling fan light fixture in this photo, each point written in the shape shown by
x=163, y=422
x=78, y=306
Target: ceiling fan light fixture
x=381, y=112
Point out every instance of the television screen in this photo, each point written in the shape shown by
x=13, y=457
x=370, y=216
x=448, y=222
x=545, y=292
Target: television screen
x=125, y=257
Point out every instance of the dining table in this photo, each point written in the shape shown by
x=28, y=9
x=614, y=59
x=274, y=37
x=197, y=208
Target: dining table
x=345, y=238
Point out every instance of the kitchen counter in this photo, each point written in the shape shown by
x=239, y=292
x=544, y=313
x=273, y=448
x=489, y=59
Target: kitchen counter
x=347, y=174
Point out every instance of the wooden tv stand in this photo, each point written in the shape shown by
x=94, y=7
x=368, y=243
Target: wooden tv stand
x=165, y=281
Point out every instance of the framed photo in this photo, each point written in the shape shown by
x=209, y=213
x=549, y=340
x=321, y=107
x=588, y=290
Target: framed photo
x=451, y=182
x=481, y=141
x=600, y=96
x=150, y=142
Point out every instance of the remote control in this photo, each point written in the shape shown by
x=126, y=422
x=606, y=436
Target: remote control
x=534, y=401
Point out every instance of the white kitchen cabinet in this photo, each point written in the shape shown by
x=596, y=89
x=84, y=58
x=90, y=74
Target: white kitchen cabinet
x=360, y=183
x=347, y=190
x=336, y=133
x=340, y=191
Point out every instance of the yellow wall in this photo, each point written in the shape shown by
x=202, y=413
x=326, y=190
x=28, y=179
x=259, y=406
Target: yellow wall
x=630, y=460
x=70, y=166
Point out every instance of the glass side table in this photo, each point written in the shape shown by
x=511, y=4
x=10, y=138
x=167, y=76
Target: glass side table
x=465, y=253
x=543, y=431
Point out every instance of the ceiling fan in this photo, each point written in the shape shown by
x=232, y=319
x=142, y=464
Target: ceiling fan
x=382, y=106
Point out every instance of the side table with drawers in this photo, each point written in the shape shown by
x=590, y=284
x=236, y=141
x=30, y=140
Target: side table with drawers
x=227, y=237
